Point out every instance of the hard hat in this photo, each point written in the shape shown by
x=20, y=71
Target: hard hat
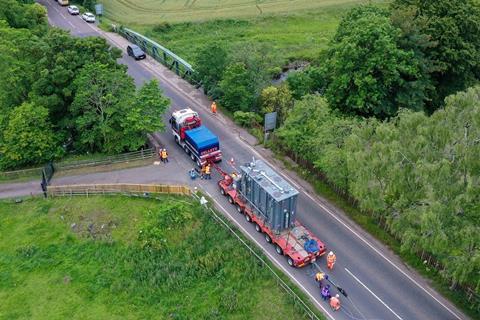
x=330, y=253
x=336, y=296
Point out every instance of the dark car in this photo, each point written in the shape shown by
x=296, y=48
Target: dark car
x=136, y=52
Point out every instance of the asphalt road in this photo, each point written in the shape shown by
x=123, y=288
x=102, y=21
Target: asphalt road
x=378, y=284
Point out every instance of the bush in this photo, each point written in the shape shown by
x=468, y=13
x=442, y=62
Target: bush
x=247, y=119
x=162, y=27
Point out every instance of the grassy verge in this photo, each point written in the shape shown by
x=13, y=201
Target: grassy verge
x=118, y=257
x=371, y=225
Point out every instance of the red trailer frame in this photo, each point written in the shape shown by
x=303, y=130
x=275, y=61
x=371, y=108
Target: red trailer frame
x=289, y=243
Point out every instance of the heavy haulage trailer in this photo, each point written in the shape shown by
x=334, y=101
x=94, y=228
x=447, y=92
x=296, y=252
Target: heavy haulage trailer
x=258, y=192
x=269, y=202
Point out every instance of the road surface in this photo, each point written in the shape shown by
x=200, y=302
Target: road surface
x=378, y=284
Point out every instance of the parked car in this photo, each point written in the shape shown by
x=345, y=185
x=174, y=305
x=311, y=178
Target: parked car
x=63, y=2
x=73, y=10
x=136, y=52
x=88, y=16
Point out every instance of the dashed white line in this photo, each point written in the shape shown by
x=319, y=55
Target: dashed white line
x=272, y=258
x=386, y=306
x=70, y=23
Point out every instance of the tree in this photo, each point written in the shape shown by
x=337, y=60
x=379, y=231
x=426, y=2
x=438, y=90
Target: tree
x=62, y=58
x=145, y=115
x=28, y=137
x=368, y=73
x=300, y=84
x=210, y=63
x=453, y=25
x=103, y=100
x=238, y=92
x=276, y=99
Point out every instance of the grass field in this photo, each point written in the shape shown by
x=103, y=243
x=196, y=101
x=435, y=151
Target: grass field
x=122, y=258
x=155, y=11
x=295, y=30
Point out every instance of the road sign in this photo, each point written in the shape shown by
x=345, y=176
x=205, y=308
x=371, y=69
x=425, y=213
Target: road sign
x=99, y=9
x=270, y=121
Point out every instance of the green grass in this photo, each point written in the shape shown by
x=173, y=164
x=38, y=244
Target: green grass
x=154, y=11
x=372, y=226
x=293, y=32
x=124, y=258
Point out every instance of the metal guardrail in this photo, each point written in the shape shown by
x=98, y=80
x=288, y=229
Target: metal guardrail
x=298, y=302
x=67, y=165
x=118, y=188
x=124, y=157
x=158, y=52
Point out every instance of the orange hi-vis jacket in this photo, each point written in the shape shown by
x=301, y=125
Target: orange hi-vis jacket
x=331, y=259
x=164, y=154
x=207, y=169
x=334, y=303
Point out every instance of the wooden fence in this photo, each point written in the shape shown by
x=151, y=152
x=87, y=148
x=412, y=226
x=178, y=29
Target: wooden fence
x=120, y=188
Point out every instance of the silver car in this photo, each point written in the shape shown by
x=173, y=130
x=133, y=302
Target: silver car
x=73, y=10
x=88, y=16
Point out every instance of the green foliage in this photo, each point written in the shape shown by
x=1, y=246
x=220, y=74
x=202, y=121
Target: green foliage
x=24, y=15
x=300, y=84
x=417, y=173
x=88, y=256
x=144, y=115
x=238, y=91
x=247, y=119
x=368, y=72
x=209, y=66
x=28, y=137
x=100, y=109
x=277, y=99
x=317, y=133
x=453, y=26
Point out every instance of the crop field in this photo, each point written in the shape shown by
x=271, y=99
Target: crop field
x=295, y=30
x=154, y=11
x=123, y=258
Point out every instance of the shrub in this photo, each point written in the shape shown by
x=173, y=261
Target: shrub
x=247, y=119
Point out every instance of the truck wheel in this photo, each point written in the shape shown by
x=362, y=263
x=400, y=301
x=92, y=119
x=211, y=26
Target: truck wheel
x=248, y=218
x=176, y=140
x=230, y=199
x=239, y=209
x=193, y=157
x=290, y=262
x=257, y=228
x=267, y=238
x=222, y=191
x=278, y=249
x=199, y=164
x=186, y=149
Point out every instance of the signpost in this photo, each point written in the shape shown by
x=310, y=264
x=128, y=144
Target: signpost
x=270, y=123
x=99, y=9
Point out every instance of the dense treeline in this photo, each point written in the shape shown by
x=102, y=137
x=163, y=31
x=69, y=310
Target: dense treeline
x=386, y=114
x=62, y=94
x=420, y=174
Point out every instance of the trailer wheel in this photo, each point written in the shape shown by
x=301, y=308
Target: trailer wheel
x=193, y=157
x=267, y=238
x=258, y=228
x=199, y=164
x=239, y=209
x=247, y=217
x=290, y=262
x=278, y=249
x=230, y=199
x=222, y=191
x=186, y=149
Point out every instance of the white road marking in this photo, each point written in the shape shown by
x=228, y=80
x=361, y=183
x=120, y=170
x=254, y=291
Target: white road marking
x=54, y=8
x=381, y=255
x=272, y=258
x=386, y=306
x=70, y=23
x=185, y=95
